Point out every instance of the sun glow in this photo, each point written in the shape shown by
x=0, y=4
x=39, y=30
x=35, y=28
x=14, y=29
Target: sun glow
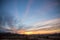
x=28, y=33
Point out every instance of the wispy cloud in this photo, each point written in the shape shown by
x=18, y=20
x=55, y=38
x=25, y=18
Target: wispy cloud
x=44, y=24
x=27, y=10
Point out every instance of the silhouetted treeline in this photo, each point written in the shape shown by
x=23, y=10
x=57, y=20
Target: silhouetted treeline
x=13, y=36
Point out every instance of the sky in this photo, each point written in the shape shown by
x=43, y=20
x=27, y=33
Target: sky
x=28, y=14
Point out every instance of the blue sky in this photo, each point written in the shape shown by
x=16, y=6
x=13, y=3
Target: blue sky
x=28, y=12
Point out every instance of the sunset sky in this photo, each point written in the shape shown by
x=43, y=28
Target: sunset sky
x=29, y=15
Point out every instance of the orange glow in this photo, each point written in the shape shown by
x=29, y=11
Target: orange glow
x=21, y=31
x=38, y=32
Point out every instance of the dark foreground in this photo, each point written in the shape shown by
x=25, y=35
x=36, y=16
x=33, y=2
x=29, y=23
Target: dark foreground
x=10, y=36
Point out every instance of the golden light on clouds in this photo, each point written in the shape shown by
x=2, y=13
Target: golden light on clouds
x=39, y=32
x=46, y=31
x=52, y=27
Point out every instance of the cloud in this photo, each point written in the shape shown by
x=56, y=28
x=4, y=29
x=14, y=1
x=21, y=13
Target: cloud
x=7, y=22
x=45, y=24
x=52, y=29
x=27, y=10
x=45, y=27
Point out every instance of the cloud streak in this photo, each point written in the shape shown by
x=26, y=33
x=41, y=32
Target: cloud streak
x=45, y=24
x=27, y=10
